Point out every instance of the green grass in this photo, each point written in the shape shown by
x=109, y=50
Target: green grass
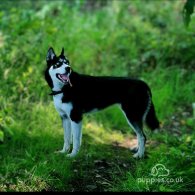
x=141, y=38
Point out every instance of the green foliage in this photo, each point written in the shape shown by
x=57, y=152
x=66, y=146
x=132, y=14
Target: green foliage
x=141, y=38
x=188, y=11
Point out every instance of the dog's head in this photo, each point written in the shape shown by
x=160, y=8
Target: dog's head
x=58, y=69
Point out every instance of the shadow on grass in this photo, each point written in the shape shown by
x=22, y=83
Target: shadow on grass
x=30, y=160
x=100, y=166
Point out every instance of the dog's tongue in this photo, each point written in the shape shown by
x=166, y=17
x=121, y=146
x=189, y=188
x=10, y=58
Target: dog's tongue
x=64, y=77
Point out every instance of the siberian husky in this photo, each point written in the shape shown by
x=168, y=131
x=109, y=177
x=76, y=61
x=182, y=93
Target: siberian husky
x=75, y=94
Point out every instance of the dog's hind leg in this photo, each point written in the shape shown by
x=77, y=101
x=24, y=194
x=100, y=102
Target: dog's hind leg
x=137, y=126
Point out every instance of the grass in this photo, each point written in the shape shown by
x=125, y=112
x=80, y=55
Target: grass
x=122, y=38
x=103, y=164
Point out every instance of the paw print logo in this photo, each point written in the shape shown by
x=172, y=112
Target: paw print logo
x=159, y=170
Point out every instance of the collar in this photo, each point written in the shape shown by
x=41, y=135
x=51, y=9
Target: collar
x=55, y=92
x=58, y=92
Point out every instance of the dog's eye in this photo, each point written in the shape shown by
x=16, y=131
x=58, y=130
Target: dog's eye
x=67, y=62
x=57, y=65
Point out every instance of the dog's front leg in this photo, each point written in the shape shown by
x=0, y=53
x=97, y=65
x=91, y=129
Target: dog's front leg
x=67, y=134
x=77, y=135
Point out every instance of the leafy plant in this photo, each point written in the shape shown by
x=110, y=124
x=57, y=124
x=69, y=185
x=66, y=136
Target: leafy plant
x=188, y=11
x=118, y=38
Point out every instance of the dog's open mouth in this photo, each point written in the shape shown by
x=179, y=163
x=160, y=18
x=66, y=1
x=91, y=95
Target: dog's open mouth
x=63, y=78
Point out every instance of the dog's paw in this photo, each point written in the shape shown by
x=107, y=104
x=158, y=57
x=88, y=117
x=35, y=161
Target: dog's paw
x=61, y=151
x=138, y=155
x=134, y=150
x=71, y=155
x=64, y=150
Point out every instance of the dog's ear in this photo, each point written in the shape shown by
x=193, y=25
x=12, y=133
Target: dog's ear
x=62, y=52
x=50, y=55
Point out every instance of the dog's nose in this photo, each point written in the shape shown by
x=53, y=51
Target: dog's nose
x=67, y=69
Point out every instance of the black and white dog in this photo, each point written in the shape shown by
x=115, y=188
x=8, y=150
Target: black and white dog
x=75, y=94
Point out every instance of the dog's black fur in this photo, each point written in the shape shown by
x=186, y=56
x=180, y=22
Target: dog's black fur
x=87, y=93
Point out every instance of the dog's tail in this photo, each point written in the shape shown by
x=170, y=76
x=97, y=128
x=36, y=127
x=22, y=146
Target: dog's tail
x=151, y=118
x=150, y=115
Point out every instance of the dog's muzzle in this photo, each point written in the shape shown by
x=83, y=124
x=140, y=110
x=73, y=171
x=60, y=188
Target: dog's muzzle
x=64, y=78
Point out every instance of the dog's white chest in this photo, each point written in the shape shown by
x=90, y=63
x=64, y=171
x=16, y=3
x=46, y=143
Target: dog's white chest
x=62, y=108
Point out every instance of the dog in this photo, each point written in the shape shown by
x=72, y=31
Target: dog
x=75, y=94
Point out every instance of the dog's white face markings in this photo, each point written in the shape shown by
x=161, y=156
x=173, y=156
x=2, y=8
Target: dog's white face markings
x=53, y=71
x=56, y=82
